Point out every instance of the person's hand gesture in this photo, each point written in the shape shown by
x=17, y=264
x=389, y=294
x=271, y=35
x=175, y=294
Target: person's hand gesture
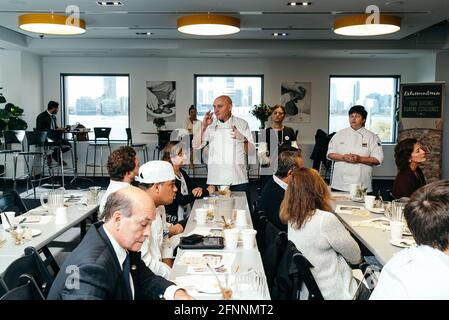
x=211, y=189
x=197, y=192
x=207, y=120
x=235, y=134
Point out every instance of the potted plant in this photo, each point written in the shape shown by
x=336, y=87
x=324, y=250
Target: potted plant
x=10, y=116
x=159, y=123
x=262, y=112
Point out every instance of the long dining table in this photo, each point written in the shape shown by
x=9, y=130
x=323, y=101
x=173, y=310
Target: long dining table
x=376, y=240
x=245, y=260
x=46, y=230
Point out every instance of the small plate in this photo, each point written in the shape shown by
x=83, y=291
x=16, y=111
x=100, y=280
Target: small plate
x=403, y=243
x=35, y=232
x=361, y=200
x=376, y=210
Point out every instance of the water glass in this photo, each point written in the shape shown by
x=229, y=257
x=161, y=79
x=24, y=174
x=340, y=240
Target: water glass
x=387, y=209
x=250, y=285
x=92, y=195
x=397, y=209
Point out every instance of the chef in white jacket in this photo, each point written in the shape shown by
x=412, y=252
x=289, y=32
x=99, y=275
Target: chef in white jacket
x=355, y=150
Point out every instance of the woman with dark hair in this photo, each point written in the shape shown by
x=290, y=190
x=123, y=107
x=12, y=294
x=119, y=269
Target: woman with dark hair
x=187, y=189
x=408, y=155
x=191, y=123
x=319, y=235
x=286, y=136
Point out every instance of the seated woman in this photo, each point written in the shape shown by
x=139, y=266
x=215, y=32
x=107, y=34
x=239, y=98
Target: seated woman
x=187, y=189
x=319, y=235
x=408, y=155
x=286, y=136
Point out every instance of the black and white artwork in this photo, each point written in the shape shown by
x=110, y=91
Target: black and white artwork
x=161, y=100
x=296, y=97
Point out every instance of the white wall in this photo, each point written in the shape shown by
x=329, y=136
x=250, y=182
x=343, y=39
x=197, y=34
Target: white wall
x=442, y=74
x=274, y=70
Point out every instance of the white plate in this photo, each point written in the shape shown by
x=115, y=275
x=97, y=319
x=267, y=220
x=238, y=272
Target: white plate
x=35, y=232
x=376, y=210
x=403, y=243
x=360, y=200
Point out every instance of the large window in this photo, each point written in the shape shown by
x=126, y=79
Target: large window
x=378, y=94
x=245, y=92
x=97, y=101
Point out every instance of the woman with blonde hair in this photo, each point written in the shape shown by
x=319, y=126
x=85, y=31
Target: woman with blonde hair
x=319, y=235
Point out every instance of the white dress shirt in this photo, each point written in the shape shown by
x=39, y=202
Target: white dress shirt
x=158, y=245
x=227, y=158
x=361, y=142
x=121, y=253
x=112, y=187
x=419, y=273
x=281, y=183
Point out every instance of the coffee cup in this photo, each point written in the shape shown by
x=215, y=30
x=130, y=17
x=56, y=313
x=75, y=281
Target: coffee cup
x=231, y=238
x=396, y=229
x=61, y=215
x=353, y=188
x=240, y=219
x=248, y=237
x=369, y=202
x=201, y=216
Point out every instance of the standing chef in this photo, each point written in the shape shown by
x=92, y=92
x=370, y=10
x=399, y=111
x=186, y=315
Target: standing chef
x=355, y=150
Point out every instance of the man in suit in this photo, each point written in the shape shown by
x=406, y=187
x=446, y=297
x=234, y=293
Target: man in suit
x=107, y=265
x=273, y=192
x=46, y=121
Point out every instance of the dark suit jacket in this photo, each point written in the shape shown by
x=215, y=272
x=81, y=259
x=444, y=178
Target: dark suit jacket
x=172, y=209
x=100, y=275
x=407, y=182
x=43, y=121
x=270, y=201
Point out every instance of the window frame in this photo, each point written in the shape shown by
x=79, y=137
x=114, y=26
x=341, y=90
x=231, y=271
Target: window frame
x=63, y=102
x=396, y=101
x=195, y=77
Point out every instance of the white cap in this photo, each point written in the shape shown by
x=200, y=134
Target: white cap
x=155, y=171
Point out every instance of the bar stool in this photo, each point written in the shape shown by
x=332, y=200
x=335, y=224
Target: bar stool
x=14, y=137
x=55, y=142
x=101, y=141
x=138, y=146
x=163, y=137
x=37, y=140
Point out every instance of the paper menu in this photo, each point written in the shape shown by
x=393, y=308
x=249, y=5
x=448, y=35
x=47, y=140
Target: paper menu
x=196, y=262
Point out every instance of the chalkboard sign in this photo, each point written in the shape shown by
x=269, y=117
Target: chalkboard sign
x=421, y=100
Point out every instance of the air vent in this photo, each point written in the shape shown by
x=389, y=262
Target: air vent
x=109, y=3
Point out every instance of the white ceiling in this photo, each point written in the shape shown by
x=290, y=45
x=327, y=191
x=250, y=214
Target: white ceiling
x=111, y=31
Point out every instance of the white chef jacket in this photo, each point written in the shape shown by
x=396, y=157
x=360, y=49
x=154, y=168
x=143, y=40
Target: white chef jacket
x=227, y=159
x=419, y=273
x=113, y=186
x=361, y=142
x=157, y=246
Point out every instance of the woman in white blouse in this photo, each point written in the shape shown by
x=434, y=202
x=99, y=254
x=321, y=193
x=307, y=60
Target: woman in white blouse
x=319, y=235
x=191, y=123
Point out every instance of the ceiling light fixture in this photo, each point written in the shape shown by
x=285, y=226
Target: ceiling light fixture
x=280, y=34
x=110, y=3
x=208, y=25
x=49, y=23
x=303, y=4
x=364, y=25
x=144, y=33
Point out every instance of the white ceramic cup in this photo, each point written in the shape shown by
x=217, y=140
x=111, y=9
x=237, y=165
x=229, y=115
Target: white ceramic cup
x=231, y=238
x=61, y=215
x=369, y=202
x=240, y=219
x=10, y=215
x=248, y=237
x=396, y=229
x=201, y=216
x=353, y=189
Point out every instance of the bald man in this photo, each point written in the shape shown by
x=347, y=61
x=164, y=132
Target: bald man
x=229, y=140
x=106, y=265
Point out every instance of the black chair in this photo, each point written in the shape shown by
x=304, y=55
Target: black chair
x=163, y=137
x=13, y=137
x=27, y=290
x=138, y=146
x=101, y=141
x=11, y=201
x=32, y=264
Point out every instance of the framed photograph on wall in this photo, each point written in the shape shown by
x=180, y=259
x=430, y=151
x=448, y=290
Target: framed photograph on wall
x=161, y=100
x=296, y=97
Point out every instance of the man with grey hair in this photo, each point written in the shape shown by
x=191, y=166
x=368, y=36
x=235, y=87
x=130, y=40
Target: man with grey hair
x=273, y=192
x=106, y=265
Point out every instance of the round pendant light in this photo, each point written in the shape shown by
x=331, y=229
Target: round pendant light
x=362, y=25
x=208, y=25
x=48, y=23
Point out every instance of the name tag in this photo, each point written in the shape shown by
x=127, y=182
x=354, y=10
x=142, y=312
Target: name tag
x=364, y=145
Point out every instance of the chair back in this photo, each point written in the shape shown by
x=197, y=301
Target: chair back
x=31, y=264
x=163, y=137
x=13, y=136
x=27, y=290
x=129, y=137
x=36, y=138
x=11, y=201
x=102, y=133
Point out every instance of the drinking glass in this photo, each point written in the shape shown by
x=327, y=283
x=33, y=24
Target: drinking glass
x=92, y=196
x=387, y=209
x=397, y=209
x=250, y=285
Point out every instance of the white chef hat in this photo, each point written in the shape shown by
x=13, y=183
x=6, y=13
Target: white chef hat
x=155, y=171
